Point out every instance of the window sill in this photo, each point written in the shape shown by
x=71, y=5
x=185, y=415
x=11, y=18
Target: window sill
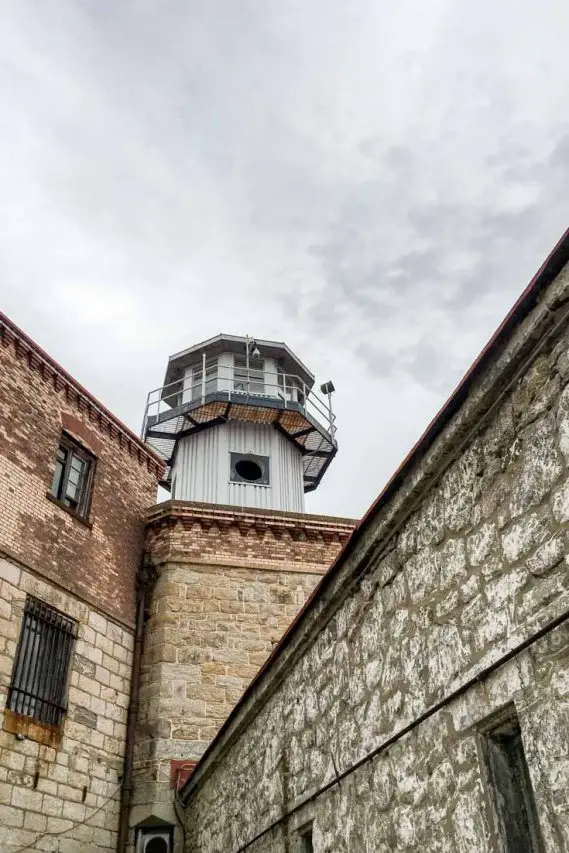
x=28, y=727
x=69, y=511
x=244, y=483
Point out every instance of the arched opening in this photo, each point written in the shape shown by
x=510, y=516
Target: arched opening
x=156, y=845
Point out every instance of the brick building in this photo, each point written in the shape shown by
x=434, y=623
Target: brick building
x=120, y=660
x=421, y=700
x=75, y=485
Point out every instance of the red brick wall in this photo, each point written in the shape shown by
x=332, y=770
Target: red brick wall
x=98, y=562
x=184, y=531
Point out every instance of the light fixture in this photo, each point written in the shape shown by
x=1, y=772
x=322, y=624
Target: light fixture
x=328, y=387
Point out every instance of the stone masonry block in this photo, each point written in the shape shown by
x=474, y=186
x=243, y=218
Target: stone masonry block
x=523, y=536
x=9, y=572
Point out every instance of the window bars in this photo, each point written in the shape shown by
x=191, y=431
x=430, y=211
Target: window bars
x=39, y=677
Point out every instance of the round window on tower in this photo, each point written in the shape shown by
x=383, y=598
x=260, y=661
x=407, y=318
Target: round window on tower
x=250, y=470
x=247, y=468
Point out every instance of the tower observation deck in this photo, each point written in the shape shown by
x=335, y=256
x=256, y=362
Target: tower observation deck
x=237, y=422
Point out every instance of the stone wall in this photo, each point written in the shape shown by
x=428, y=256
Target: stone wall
x=440, y=614
x=424, y=792
x=65, y=798
x=229, y=582
x=97, y=560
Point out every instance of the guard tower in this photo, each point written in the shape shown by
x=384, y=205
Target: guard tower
x=238, y=423
x=234, y=557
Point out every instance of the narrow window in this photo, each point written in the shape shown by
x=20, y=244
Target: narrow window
x=73, y=476
x=39, y=677
x=306, y=845
x=510, y=788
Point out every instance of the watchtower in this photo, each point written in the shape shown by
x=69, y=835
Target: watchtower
x=238, y=423
x=234, y=557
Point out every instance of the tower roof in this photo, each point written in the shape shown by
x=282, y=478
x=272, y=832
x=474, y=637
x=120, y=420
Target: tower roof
x=236, y=344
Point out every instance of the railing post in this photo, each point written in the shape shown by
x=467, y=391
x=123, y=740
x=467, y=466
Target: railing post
x=330, y=415
x=247, y=365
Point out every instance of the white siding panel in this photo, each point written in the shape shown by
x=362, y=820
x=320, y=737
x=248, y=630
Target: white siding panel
x=197, y=467
x=257, y=439
x=291, y=485
x=202, y=468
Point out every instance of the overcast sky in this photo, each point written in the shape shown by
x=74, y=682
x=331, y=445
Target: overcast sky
x=372, y=182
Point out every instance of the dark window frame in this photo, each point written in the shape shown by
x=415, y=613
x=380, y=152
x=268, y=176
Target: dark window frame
x=73, y=461
x=263, y=462
x=505, y=774
x=40, y=675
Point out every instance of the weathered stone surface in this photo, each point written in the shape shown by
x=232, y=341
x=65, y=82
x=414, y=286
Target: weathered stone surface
x=216, y=613
x=482, y=543
x=560, y=503
x=88, y=761
x=85, y=717
x=541, y=466
x=549, y=555
x=524, y=535
x=479, y=566
x=563, y=420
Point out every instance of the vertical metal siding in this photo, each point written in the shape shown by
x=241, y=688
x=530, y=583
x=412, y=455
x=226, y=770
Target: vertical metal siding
x=202, y=468
x=197, y=468
x=291, y=478
x=251, y=438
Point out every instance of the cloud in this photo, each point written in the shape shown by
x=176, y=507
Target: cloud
x=372, y=182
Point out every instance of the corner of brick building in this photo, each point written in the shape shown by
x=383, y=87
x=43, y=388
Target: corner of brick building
x=97, y=561
x=228, y=583
x=67, y=777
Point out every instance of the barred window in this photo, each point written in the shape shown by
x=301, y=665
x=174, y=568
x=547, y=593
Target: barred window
x=39, y=678
x=73, y=475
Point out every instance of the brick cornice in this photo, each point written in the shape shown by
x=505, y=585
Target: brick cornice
x=224, y=536
x=261, y=521
x=85, y=403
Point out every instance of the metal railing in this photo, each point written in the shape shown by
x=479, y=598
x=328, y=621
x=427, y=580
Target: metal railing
x=239, y=385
